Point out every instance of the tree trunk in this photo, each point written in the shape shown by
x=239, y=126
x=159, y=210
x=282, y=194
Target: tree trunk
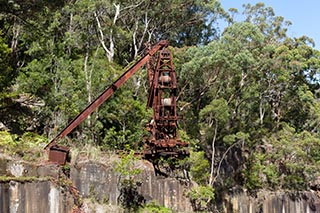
x=262, y=110
x=213, y=153
x=88, y=82
x=109, y=51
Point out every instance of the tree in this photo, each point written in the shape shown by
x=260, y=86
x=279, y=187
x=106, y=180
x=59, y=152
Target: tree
x=266, y=79
x=201, y=198
x=129, y=196
x=5, y=67
x=214, y=116
x=285, y=159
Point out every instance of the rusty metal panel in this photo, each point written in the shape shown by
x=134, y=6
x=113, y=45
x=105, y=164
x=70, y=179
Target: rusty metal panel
x=58, y=154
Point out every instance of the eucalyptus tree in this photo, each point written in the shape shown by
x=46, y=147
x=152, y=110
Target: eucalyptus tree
x=266, y=78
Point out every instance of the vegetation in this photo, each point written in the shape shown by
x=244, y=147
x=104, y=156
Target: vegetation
x=201, y=198
x=27, y=147
x=129, y=196
x=154, y=208
x=24, y=179
x=249, y=94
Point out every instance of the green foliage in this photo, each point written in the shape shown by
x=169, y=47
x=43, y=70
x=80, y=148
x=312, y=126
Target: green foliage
x=262, y=175
x=123, y=120
x=23, y=179
x=29, y=146
x=199, y=167
x=5, y=67
x=129, y=196
x=251, y=83
x=239, y=136
x=153, y=207
x=217, y=110
x=284, y=161
x=6, y=139
x=201, y=197
x=126, y=166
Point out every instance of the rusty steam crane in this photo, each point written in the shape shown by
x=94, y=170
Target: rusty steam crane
x=164, y=139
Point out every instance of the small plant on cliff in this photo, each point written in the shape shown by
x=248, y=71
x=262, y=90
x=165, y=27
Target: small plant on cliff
x=66, y=170
x=23, y=179
x=199, y=167
x=202, y=195
x=28, y=146
x=154, y=208
x=126, y=166
x=129, y=196
x=201, y=198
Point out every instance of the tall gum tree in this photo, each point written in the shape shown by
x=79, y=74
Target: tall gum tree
x=266, y=77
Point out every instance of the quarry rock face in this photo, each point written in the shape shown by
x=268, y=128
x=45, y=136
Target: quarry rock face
x=102, y=183
x=272, y=202
x=94, y=181
x=37, y=196
x=31, y=188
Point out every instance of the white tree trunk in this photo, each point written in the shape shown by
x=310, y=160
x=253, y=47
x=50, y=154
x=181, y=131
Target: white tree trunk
x=88, y=82
x=262, y=110
x=211, y=181
x=109, y=50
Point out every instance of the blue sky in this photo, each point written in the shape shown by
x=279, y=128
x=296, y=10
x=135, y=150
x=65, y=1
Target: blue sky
x=304, y=15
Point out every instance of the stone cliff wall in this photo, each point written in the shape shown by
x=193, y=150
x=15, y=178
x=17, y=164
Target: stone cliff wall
x=40, y=188
x=96, y=182
x=101, y=182
x=272, y=202
x=29, y=188
x=36, y=196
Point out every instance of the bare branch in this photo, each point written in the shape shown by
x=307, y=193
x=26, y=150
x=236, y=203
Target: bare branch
x=101, y=38
x=224, y=155
x=146, y=25
x=132, y=6
x=116, y=15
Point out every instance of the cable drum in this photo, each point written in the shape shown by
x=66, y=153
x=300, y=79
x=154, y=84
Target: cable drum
x=166, y=101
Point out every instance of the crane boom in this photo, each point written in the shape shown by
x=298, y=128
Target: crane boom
x=105, y=95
